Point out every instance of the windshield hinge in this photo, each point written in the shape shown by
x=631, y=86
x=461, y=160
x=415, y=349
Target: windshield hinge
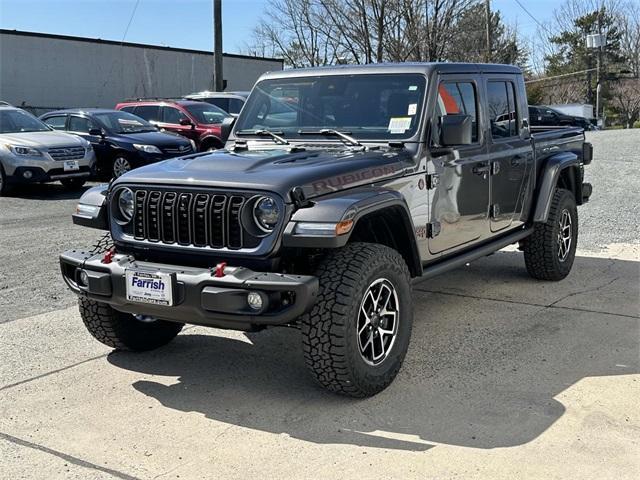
x=240, y=145
x=432, y=180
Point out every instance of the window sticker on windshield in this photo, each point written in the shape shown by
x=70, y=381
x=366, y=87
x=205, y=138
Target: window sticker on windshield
x=413, y=87
x=413, y=107
x=399, y=124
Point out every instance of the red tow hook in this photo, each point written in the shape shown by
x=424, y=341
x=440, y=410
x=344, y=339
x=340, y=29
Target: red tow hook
x=219, y=270
x=108, y=255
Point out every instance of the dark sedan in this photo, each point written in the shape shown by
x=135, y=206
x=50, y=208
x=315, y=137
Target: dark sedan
x=121, y=140
x=543, y=116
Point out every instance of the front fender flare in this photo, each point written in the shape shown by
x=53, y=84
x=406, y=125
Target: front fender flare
x=92, y=208
x=350, y=205
x=548, y=181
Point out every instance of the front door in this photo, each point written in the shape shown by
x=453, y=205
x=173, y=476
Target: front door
x=510, y=152
x=171, y=118
x=460, y=200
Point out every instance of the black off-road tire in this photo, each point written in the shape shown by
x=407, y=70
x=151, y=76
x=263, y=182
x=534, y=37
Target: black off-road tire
x=73, y=184
x=4, y=187
x=541, y=247
x=120, y=330
x=329, y=330
x=123, y=331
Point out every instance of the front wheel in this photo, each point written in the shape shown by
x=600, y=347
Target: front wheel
x=550, y=250
x=356, y=336
x=124, y=331
x=121, y=165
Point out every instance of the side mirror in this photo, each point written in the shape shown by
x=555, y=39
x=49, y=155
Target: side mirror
x=225, y=128
x=455, y=130
x=185, y=121
x=95, y=132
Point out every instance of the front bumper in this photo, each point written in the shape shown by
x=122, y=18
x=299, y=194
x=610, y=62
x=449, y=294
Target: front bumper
x=199, y=297
x=45, y=169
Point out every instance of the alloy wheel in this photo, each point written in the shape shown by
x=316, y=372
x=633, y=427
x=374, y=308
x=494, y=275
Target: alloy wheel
x=378, y=320
x=120, y=166
x=565, y=234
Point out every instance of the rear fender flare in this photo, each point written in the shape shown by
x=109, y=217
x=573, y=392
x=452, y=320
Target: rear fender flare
x=551, y=172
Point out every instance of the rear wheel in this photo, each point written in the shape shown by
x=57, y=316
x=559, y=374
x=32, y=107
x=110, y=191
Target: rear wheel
x=550, y=250
x=356, y=336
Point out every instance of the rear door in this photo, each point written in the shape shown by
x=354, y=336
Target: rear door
x=80, y=125
x=461, y=199
x=510, y=151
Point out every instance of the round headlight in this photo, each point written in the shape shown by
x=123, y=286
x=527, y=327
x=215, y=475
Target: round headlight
x=126, y=204
x=266, y=213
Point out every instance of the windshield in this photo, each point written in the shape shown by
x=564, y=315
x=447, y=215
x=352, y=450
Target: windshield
x=370, y=106
x=123, y=122
x=206, y=113
x=16, y=121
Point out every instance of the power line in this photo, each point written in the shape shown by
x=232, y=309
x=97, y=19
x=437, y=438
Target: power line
x=533, y=18
x=563, y=75
x=126, y=30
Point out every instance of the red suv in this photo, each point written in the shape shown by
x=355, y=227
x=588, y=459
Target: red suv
x=198, y=121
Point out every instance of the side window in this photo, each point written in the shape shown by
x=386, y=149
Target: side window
x=235, y=105
x=79, y=124
x=172, y=115
x=151, y=113
x=57, y=122
x=221, y=102
x=503, y=115
x=456, y=98
x=128, y=109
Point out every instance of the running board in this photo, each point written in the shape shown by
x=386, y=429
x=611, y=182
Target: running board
x=471, y=255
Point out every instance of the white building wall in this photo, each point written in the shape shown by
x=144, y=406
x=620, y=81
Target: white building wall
x=48, y=71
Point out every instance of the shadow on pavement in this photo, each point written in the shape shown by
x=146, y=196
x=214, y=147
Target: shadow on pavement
x=46, y=191
x=479, y=373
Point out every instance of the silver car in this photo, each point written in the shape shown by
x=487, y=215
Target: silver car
x=31, y=151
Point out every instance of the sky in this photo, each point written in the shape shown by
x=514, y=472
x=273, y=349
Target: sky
x=184, y=23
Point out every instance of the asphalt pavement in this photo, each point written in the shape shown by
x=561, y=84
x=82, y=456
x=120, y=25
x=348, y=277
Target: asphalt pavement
x=506, y=377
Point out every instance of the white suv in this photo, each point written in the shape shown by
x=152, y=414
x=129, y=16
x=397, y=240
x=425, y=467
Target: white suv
x=31, y=151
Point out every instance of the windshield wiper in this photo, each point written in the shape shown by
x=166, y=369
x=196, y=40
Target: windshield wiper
x=331, y=131
x=265, y=133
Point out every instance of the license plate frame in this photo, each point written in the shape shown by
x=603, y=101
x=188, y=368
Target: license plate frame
x=71, y=166
x=147, y=289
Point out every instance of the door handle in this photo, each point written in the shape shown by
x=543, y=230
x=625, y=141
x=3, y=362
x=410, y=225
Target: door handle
x=483, y=169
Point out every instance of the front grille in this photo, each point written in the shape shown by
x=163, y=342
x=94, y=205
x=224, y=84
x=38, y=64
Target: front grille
x=192, y=219
x=179, y=150
x=67, y=153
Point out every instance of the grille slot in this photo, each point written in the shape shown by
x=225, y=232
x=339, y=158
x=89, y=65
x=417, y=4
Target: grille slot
x=67, y=153
x=205, y=220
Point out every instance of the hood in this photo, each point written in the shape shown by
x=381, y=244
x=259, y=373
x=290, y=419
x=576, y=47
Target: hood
x=318, y=172
x=43, y=140
x=159, y=139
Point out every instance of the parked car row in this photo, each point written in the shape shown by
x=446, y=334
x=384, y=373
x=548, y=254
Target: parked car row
x=74, y=145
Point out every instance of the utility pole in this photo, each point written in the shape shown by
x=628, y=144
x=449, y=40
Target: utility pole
x=218, y=83
x=487, y=9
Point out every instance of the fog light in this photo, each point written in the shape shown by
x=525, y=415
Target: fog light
x=27, y=174
x=254, y=299
x=83, y=278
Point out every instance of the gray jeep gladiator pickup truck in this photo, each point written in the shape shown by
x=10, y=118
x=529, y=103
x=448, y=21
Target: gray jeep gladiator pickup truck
x=338, y=188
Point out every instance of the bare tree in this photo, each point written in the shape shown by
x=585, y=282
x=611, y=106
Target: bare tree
x=629, y=19
x=625, y=98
